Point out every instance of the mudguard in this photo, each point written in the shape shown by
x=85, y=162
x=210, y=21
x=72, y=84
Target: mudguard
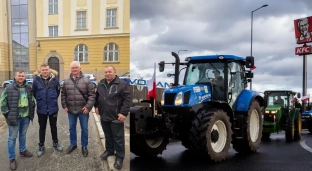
x=245, y=98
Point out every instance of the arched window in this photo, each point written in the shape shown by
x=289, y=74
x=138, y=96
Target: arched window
x=111, y=53
x=81, y=53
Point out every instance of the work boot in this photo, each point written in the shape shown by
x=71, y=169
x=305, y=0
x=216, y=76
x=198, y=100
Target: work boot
x=57, y=146
x=13, y=164
x=26, y=153
x=40, y=149
x=71, y=149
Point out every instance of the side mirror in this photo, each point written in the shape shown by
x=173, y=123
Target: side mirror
x=298, y=95
x=250, y=62
x=161, y=66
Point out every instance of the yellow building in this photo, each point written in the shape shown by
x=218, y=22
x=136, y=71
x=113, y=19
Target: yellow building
x=94, y=32
x=17, y=37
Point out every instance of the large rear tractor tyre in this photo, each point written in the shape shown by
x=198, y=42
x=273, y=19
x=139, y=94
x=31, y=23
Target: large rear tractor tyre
x=211, y=134
x=290, y=129
x=298, y=127
x=144, y=146
x=252, y=130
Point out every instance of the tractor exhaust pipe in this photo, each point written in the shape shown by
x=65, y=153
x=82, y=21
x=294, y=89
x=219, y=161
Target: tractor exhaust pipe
x=177, y=68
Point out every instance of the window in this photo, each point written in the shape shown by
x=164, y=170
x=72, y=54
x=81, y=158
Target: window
x=81, y=53
x=53, y=7
x=53, y=31
x=111, y=18
x=111, y=52
x=81, y=20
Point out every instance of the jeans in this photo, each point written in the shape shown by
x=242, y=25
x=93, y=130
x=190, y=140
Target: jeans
x=21, y=130
x=114, y=138
x=83, y=118
x=42, y=119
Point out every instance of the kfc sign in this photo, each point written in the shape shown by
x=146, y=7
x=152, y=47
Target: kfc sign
x=303, y=50
x=303, y=30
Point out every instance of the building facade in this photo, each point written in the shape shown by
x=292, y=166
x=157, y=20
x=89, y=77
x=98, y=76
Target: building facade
x=17, y=37
x=94, y=32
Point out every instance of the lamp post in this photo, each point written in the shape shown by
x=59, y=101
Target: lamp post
x=181, y=50
x=251, y=35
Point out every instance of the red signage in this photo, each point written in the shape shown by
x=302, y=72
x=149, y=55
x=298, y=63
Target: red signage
x=303, y=30
x=303, y=50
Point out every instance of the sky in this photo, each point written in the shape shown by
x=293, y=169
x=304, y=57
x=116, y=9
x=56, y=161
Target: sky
x=211, y=27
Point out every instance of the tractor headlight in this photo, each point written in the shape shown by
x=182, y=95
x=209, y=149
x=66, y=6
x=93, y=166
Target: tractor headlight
x=178, y=100
x=274, y=111
x=267, y=111
x=162, y=102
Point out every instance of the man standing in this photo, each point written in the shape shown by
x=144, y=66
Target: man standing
x=17, y=106
x=113, y=105
x=46, y=90
x=78, y=98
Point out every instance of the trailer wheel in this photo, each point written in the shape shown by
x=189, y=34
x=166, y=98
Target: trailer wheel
x=211, y=134
x=252, y=131
x=145, y=146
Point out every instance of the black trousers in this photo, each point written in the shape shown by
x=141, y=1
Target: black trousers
x=114, y=138
x=42, y=119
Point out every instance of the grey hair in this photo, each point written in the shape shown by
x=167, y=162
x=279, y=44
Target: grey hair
x=74, y=62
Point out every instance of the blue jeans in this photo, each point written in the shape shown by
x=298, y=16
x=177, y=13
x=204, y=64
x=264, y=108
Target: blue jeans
x=83, y=118
x=21, y=129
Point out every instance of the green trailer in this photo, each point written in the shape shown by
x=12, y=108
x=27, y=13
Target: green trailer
x=280, y=114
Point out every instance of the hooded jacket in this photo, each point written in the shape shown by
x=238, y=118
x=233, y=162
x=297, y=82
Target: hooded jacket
x=112, y=99
x=71, y=97
x=46, y=95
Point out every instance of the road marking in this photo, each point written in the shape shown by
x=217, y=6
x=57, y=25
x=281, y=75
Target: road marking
x=305, y=146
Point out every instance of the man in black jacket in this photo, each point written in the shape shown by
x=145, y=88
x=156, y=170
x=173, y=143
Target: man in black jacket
x=113, y=104
x=17, y=106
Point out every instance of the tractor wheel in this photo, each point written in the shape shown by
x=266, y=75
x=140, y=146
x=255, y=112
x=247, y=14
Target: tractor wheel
x=266, y=135
x=290, y=129
x=252, y=131
x=144, y=146
x=211, y=134
x=298, y=127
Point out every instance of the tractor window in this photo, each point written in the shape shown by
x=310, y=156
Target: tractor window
x=278, y=98
x=204, y=73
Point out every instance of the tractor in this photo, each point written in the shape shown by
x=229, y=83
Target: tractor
x=281, y=114
x=208, y=112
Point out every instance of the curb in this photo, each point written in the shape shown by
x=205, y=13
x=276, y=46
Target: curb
x=110, y=159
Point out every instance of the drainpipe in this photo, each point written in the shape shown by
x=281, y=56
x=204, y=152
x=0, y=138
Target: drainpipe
x=8, y=28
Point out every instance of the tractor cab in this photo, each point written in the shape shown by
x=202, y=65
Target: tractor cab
x=281, y=113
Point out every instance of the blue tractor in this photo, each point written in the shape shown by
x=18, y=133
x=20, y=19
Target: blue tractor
x=211, y=110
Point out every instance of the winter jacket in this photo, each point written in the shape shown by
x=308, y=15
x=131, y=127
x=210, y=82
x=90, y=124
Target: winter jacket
x=71, y=97
x=13, y=106
x=46, y=95
x=112, y=99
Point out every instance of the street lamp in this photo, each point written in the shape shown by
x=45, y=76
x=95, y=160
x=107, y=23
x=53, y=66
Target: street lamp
x=181, y=50
x=251, y=35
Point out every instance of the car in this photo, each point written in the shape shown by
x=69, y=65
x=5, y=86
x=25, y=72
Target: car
x=91, y=77
x=125, y=77
x=29, y=80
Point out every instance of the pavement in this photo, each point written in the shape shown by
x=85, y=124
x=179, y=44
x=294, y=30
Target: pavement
x=53, y=160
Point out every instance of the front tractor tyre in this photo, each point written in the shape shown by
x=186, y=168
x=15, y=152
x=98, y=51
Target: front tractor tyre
x=146, y=146
x=298, y=127
x=290, y=129
x=211, y=134
x=252, y=128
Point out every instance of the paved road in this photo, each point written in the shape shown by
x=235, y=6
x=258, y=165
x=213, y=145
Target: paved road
x=273, y=155
x=53, y=160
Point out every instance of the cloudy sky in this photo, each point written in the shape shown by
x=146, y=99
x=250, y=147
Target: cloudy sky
x=205, y=27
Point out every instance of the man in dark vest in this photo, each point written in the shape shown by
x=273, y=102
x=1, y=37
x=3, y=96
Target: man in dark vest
x=46, y=90
x=17, y=106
